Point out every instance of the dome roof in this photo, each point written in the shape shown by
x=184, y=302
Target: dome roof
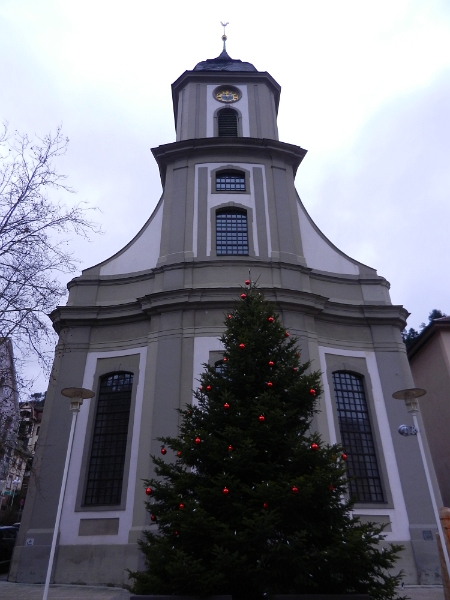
x=224, y=63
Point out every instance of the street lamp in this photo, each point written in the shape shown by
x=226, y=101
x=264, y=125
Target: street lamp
x=410, y=397
x=76, y=395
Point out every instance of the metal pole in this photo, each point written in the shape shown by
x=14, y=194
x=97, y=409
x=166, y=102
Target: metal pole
x=431, y=491
x=60, y=504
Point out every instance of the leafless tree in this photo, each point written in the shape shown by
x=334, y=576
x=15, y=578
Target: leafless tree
x=33, y=245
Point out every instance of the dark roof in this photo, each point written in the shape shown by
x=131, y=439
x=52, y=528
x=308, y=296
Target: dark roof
x=426, y=334
x=224, y=63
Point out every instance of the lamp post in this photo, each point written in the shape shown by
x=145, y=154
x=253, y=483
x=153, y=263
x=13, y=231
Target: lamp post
x=76, y=395
x=410, y=397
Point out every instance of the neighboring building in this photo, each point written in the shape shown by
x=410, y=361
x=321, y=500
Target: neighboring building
x=29, y=429
x=429, y=358
x=138, y=327
x=9, y=419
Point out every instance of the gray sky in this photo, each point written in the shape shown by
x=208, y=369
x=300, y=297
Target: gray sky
x=365, y=89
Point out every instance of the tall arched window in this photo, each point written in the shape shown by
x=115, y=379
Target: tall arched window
x=107, y=460
x=357, y=438
x=231, y=232
x=227, y=121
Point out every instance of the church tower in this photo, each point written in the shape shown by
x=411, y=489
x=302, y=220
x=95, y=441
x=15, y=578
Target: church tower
x=138, y=327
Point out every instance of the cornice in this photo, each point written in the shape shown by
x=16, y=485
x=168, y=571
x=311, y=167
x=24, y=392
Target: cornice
x=222, y=298
x=139, y=276
x=79, y=316
x=168, y=153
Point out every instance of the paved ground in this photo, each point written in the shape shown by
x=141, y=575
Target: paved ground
x=24, y=591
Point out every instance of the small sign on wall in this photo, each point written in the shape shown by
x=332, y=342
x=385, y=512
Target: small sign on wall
x=29, y=542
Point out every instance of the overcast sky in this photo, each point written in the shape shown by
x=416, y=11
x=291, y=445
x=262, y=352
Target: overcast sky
x=365, y=89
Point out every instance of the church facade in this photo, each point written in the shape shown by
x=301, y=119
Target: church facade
x=138, y=327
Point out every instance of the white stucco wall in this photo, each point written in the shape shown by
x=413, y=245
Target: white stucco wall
x=398, y=515
x=70, y=520
x=241, y=105
x=247, y=200
x=319, y=253
x=142, y=253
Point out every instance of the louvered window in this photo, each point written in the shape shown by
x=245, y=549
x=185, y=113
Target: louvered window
x=106, y=465
x=230, y=182
x=228, y=123
x=231, y=233
x=357, y=438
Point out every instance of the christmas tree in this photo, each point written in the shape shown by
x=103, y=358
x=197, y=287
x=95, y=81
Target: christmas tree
x=247, y=500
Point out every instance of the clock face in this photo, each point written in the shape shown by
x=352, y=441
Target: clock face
x=227, y=94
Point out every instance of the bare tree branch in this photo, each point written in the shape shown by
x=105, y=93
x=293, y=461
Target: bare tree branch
x=33, y=251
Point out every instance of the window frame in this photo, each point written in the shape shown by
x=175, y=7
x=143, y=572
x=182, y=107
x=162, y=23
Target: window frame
x=360, y=379
x=250, y=217
x=228, y=169
x=106, y=419
x=358, y=366
x=107, y=366
x=235, y=210
x=216, y=121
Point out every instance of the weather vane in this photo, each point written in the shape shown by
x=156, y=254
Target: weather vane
x=224, y=37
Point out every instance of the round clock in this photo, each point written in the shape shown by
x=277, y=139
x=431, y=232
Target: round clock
x=227, y=94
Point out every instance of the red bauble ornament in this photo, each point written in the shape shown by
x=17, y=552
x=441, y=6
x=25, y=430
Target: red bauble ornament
x=225, y=359
x=197, y=441
x=261, y=418
x=243, y=296
x=312, y=391
x=208, y=388
x=181, y=506
x=314, y=447
x=270, y=363
x=295, y=369
x=269, y=384
x=201, y=388
x=265, y=505
x=176, y=533
x=344, y=457
x=178, y=454
x=226, y=406
x=153, y=518
x=294, y=489
x=229, y=316
x=225, y=491
x=286, y=334
x=148, y=491
x=163, y=450
x=247, y=282
x=241, y=346
x=331, y=487
x=271, y=319
x=230, y=448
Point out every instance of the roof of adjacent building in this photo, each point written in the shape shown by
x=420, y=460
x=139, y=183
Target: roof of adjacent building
x=224, y=63
x=427, y=334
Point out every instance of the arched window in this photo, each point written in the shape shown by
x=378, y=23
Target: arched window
x=230, y=181
x=106, y=464
x=357, y=438
x=227, y=121
x=231, y=232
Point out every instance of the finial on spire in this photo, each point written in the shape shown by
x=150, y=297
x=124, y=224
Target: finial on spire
x=224, y=37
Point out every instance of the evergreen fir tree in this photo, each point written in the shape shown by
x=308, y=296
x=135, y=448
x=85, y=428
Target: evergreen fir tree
x=247, y=500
